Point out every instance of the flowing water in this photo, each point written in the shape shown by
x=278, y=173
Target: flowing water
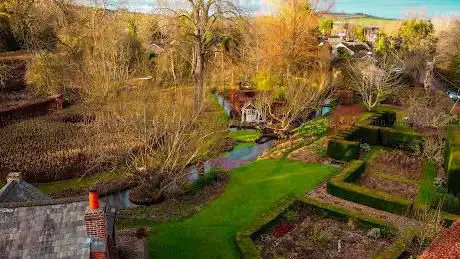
x=241, y=155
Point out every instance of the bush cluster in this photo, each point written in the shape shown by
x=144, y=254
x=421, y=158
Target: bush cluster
x=47, y=151
x=452, y=160
x=316, y=128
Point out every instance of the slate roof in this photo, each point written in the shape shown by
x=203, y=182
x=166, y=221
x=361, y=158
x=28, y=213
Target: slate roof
x=356, y=47
x=52, y=231
x=21, y=191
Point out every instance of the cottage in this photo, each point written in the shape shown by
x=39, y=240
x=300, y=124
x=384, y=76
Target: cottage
x=251, y=114
x=32, y=225
x=355, y=49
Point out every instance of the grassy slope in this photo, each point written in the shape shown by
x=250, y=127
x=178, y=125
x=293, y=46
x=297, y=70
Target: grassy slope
x=244, y=135
x=252, y=190
x=81, y=183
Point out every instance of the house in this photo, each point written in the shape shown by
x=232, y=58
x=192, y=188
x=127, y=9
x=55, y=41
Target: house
x=251, y=114
x=32, y=225
x=371, y=34
x=351, y=49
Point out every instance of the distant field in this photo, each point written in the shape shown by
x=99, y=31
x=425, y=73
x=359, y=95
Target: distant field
x=390, y=26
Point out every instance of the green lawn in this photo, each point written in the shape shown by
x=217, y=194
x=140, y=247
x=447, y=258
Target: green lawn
x=81, y=183
x=252, y=190
x=245, y=135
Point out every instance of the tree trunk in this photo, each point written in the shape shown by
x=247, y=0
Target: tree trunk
x=199, y=76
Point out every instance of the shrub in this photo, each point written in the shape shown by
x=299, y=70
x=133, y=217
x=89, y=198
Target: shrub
x=401, y=139
x=343, y=150
x=452, y=160
x=365, y=147
x=206, y=180
x=342, y=186
x=317, y=127
x=368, y=134
x=374, y=233
x=453, y=171
x=50, y=151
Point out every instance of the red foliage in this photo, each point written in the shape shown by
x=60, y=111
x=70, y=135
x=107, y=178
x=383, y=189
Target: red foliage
x=282, y=229
x=346, y=116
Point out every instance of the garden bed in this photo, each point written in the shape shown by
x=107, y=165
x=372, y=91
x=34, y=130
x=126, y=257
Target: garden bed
x=307, y=228
x=396, y=163
x=405, y=190
x=309, y=233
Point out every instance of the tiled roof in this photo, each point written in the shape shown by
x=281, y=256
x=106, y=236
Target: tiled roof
x=21, y=191
x=53, y=231
x=356, y=46
x=445, y=246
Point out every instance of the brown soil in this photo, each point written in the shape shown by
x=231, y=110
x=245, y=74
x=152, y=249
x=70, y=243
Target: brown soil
x=130, y=244
x=397, y=163
x=408, y=191
x=175, y=208
x=305, y=154
x=315, y=236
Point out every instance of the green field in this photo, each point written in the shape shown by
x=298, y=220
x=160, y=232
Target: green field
x=253, y=190
x=244, y=135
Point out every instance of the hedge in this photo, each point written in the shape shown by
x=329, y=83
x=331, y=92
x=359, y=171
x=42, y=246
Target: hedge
x=368, y=134
x=453, y=171
x=343, y=150
x=346, y=145
x=245, y=238
x=452, y=160
x=341, y=186
x=400, y=139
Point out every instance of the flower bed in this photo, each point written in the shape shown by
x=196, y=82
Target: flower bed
x=344, y=185
x=308, y=228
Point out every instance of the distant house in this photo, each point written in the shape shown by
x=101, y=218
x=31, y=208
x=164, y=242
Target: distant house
x=371, y=34
x=355, y=49
x=251, y=114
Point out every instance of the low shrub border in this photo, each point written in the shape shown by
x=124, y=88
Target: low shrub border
x=342, y=186
x=374, y=131
x=452, y=160
x=245, y=238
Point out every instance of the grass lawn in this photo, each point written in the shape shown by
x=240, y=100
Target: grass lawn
x=245, y=135
x=80, y=183
x=252, y=190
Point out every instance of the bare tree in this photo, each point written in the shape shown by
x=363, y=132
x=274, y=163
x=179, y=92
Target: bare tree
x=200, y=18
x=300, y=97
x=375, y=80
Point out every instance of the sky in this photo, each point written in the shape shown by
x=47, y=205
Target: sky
x=385, y=8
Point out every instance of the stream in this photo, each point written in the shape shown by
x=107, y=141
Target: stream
x=241, y=155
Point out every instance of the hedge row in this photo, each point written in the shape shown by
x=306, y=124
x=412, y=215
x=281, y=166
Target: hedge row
x=245, y=238
x=342, y=186
x=345, y=146
x=343, y=150
x=452, y=160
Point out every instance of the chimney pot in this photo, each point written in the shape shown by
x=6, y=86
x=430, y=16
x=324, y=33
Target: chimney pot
x=93, y=200
x=14, y=176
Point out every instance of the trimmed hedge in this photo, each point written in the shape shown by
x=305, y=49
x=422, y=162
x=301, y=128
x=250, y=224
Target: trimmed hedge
x=368, y=134
x=245, y=238
x=400, y=139
x=452, y=160
x=346, y=145
x=341, y=186
x=343, y=150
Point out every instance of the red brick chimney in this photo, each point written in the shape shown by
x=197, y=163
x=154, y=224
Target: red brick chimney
x=96, y=227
